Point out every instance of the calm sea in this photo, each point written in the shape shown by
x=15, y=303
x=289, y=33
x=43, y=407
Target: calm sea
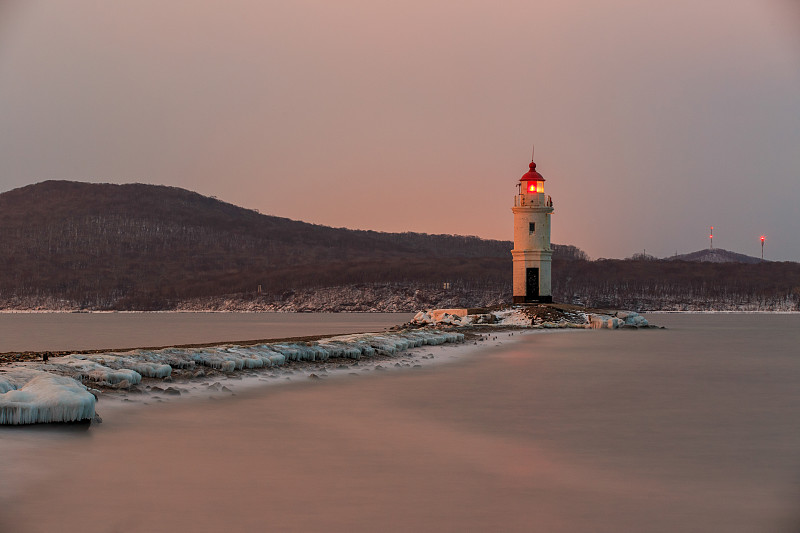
x=87, y=331
x=689, y=429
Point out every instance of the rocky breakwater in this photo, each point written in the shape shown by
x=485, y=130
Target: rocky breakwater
x=65, y=388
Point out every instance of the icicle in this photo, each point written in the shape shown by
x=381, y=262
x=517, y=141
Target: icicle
x=46, y=398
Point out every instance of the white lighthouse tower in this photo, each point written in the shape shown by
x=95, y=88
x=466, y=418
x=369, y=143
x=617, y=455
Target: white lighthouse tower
x=532, y=254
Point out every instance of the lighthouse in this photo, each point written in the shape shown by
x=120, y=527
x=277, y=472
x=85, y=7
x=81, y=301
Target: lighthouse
x=532, y=254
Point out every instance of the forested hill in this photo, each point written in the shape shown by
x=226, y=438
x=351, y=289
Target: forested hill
x=148, y=246
x=716, y=255
x=68, y=245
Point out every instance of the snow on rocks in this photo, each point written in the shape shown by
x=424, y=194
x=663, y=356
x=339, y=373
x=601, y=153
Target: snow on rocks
x=511, y=316
x=454, y=317
x=446, y=317
x=34, y=397
x=531, y=316
x=422, y=318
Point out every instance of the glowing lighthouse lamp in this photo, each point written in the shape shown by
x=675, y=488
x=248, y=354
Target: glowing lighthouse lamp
x=532, y=254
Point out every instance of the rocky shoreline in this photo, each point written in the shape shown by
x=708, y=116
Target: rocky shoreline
x=359, y=298
x=395, y=298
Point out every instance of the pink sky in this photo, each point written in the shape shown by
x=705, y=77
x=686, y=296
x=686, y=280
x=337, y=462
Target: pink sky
x=651, y=122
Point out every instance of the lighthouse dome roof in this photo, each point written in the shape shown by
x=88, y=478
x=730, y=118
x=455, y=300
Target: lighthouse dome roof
x=532, y=175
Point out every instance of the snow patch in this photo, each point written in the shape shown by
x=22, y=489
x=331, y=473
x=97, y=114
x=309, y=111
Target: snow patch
x=513, y=317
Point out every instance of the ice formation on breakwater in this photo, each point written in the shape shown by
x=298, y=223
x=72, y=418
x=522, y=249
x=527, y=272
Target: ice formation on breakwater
x=83, y=369
x=31, y=397
x=54, y=391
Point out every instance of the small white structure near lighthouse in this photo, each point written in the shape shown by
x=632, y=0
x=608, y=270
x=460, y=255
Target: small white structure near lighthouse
x=532, y=254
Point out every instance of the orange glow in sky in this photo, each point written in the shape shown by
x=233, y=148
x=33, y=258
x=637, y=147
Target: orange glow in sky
x=259, y=102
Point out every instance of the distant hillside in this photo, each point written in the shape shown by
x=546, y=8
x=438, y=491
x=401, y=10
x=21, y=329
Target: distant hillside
x=716, y=255
x=68, y=245
x=141, y=246
x=653, y=284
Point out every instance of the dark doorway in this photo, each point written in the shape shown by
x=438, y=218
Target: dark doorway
x=531, y=284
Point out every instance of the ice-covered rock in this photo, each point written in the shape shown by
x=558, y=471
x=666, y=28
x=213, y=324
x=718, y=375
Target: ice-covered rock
x=598, y=321
x=174, y=357
x=34, y=397
x=603, y=322
x=250, y=359
x=141, y=365
x=341, y=349
x=631, y=318
x=220, y=360
x=638, y=321
x=299, y=352
x=6, y=385
x=87, y=369
x=277, y=359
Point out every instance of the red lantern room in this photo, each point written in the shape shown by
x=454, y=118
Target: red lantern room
x=532, y=182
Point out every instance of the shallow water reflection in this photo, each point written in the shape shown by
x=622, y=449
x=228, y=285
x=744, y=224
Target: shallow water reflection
x=687, y=429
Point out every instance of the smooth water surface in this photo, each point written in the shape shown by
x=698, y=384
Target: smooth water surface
x=88, y=331
x=690, y=429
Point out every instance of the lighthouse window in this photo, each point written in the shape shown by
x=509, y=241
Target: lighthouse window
x=532, y=227
x=532, y=187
